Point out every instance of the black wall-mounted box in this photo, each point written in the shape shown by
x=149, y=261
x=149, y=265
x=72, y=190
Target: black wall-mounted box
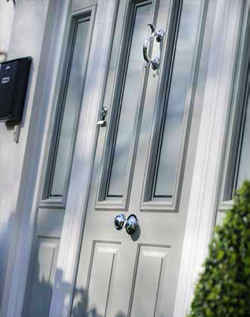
x=13, y=85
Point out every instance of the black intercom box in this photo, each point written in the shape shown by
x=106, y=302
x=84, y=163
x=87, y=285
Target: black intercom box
x=13, y=85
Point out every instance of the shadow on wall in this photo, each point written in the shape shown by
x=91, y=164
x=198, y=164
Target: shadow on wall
x=43, y=276
x=38, y=296
x=7, y=234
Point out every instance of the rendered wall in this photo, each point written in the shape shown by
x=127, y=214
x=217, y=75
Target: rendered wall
x=6, y=19
x=26, y=40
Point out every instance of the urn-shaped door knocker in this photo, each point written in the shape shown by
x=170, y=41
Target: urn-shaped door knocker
x=158, y=36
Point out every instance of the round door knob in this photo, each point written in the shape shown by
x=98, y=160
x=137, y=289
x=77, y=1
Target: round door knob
x=131, y=224
x=119, y=221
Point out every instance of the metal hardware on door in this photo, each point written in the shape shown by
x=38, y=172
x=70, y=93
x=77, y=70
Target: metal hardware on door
x=155, y=62
x=103, y=118
x=120, y=221
x=129, y=224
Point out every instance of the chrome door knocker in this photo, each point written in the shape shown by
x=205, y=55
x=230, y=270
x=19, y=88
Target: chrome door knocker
x=155, y=62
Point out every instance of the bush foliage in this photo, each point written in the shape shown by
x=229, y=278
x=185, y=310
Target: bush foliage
x=223, y=289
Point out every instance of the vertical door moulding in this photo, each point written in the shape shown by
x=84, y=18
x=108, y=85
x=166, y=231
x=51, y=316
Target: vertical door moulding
x=204, y=186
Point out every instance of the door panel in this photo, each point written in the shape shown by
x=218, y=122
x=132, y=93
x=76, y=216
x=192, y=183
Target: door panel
x=129, y=104
x=166, y=155
x=72, y=102
x=42, y=271
x=139, y=166
x=148, y=289
x=43, y=275
x=101, y=272
x=171, y=134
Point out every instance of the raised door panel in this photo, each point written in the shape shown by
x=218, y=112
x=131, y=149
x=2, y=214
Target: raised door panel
x=68, y=108
x=150, y=280
x=170, y=119
x=41, y=280
x=100, y=281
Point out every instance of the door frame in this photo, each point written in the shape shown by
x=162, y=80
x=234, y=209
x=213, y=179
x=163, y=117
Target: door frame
x=223, y=56
x=227, y=51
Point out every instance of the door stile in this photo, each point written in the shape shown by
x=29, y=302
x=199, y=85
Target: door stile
x=83, y=158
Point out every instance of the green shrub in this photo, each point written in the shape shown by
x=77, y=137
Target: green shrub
x=223, y=289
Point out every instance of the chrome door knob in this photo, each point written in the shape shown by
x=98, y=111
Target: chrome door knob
x=119, y=221
x=131, y=224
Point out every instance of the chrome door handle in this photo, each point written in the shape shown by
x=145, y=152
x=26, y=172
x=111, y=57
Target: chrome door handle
x=155, y=62
x=103, y=117
x=129, y=224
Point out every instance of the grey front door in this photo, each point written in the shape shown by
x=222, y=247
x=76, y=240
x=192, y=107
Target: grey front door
x=142, y=166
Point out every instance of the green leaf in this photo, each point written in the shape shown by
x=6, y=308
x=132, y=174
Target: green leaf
x=223, y=289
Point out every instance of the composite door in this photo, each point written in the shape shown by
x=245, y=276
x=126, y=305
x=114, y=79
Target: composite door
x=143, y=164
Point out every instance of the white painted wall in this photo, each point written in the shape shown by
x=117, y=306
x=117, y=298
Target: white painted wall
x=6, y=20
x=26, y=40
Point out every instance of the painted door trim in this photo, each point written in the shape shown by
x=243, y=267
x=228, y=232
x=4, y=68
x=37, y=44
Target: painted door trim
x=234, y=134
x=210, y=147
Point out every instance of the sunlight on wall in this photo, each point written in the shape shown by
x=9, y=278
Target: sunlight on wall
x=6, y=20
